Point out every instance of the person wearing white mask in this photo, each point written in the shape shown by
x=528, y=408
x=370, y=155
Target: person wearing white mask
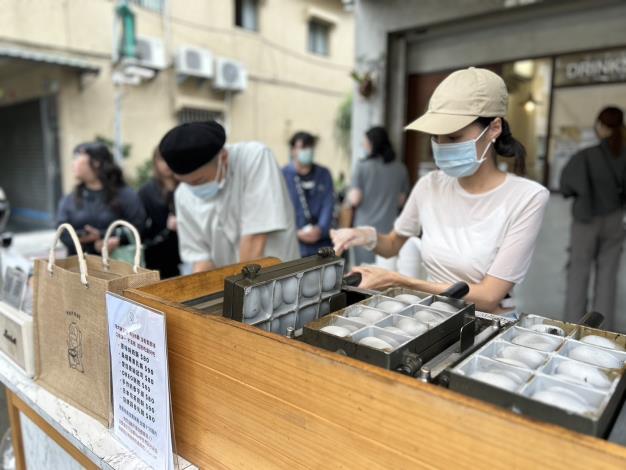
x=232, y=205
x=310, y=187
x=479, y=224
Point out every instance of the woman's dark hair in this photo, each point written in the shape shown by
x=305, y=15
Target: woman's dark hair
x=110, y=175
x=166, y=193
x=308, y=140
x=613, y=118
x=381, y=145
x=506, y=145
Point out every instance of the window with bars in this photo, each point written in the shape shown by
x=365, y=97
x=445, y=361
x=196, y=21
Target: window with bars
x=186, y=115
x=247, y=14
x=153, y=5
x=319, y=37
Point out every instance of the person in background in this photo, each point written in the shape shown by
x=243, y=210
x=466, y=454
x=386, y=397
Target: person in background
x=100, y=197
x=341, y=187
x=160, y=238
x=380, y=186
x=596, y=178
x=231, y=204
x=311, y=190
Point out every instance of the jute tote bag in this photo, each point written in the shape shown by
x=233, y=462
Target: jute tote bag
x=71, y=339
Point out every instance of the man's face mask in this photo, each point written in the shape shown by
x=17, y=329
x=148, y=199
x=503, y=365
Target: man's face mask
x=207, y=191
x=459, y=159
x=305, y=156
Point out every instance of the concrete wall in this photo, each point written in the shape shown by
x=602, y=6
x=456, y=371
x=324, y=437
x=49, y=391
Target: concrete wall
x=428, y=36
x=289, y=88
x=375, y=20
x=491, y=40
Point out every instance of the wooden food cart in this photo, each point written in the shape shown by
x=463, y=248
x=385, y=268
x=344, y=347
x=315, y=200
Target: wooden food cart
x=246, y=398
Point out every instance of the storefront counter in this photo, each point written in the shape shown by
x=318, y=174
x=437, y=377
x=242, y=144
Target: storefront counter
x=50, y=434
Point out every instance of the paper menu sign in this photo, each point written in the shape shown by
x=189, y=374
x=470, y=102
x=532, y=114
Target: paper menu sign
x=14, y=286
x=142, y=418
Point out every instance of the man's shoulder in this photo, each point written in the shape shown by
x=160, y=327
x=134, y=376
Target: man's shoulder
x=323, y=171
x=247, y=148
x=245, y=155
x=149, y=187
x=183, y=193
x=126, y=192
x=288, y=170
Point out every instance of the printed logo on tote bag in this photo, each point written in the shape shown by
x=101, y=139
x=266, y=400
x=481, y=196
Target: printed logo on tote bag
x=75, y=347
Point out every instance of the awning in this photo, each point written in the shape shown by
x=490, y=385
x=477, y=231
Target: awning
x=13, y=52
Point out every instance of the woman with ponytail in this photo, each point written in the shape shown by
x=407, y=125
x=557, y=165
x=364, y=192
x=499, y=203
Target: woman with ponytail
x=100, y=197
x=596, y=178
x=380, y=185
x=479, y=224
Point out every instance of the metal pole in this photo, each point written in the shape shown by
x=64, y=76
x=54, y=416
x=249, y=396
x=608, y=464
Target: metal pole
x=117, y=97
x=546, y=164
x=118, y=152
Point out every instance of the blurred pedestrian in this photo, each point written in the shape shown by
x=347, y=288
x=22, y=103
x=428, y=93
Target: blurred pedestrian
x=100, y=197
x=160, y=237
x=341, y=188
x=311, y=190
x=596, y=178
x=231, y=204
x=380, y=186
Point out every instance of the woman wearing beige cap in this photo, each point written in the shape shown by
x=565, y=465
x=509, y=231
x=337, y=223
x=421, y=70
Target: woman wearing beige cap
x=478, y=224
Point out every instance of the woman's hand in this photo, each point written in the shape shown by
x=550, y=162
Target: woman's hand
x=113, y=244
x=171, y=223
x=378, y=278
x=309, y=234
x=345, y=238
x=91, y=235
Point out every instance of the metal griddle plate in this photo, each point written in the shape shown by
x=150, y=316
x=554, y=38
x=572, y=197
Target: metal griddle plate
x=607, y=420
x=473, y=335
x=406, y=357
x=618, y=432
x=208, y=304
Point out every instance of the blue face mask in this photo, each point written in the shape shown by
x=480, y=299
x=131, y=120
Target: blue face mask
x=207, y=191
x=459, y=160
x=305, y=156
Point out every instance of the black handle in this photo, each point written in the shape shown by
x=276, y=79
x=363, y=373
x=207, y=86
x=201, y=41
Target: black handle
x=326, y=252
x=456, y=291
x=592, y=320
x=352, y=279
x=250, y=271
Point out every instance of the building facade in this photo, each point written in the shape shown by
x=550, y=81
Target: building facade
x=57, y=87
x=562, y=60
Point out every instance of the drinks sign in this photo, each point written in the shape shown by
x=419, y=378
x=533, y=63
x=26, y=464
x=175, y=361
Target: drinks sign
x=591, y=68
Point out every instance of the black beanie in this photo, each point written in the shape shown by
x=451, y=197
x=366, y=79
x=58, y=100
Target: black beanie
x=187, y=147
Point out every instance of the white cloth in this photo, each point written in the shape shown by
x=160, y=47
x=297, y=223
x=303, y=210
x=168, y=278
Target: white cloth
x=254, y=200
x=390, y=264
x=410, y=258
x=468, y=236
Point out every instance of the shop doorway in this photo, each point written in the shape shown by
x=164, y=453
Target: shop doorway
x=584, y=84
x=29, y=169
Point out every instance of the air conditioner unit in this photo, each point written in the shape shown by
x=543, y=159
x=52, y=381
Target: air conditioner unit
x=194, y=62
x=230, y=75
x=151, y=53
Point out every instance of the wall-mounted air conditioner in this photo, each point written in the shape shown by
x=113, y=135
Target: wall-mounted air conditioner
x=151, y=53
x=194, y=62
x=230, y=75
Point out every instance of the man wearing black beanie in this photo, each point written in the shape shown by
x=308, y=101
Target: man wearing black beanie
x=232, y=204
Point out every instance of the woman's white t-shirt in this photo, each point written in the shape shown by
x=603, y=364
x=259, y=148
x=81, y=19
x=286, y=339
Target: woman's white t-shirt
x=468, y=236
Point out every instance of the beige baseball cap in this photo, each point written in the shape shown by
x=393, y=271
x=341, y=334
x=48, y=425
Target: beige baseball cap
x=460, y=99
